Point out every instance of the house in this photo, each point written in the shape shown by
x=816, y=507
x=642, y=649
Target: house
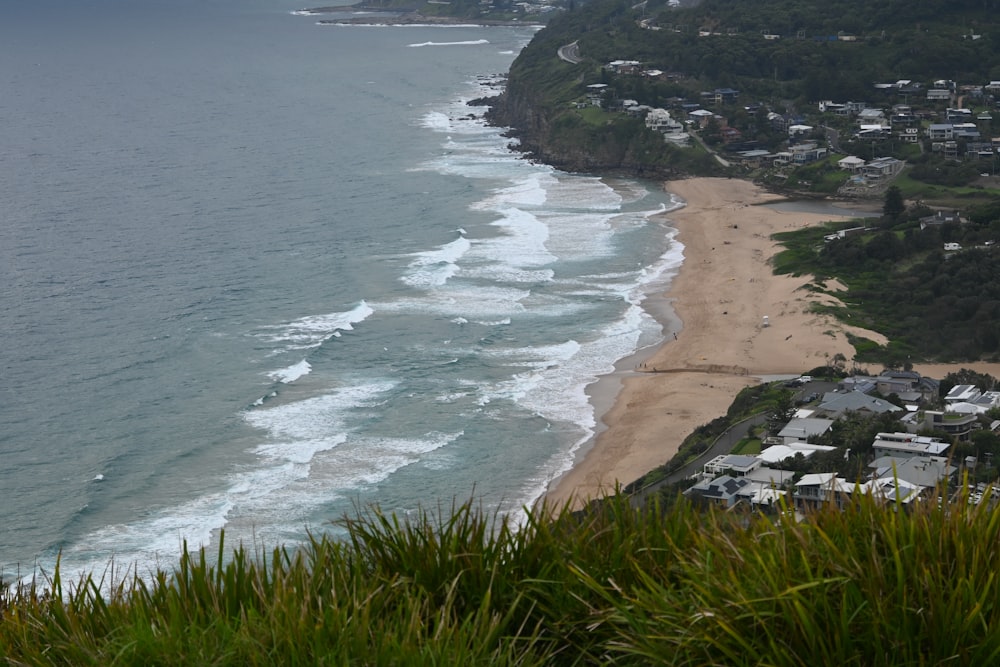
x=979, y=405
x=701, y=117
x=779, y=453
x=883, y=167
x=918, y=470
x=940, y=131
x=752, y=158
x=595, y=93
x=957, y=425
x=804, y=428
x=725, y=95
x=943, y=217
x=948, y=148
x=938, y=95
x=909, y=135
x=862, y=383
x=720, y=491
x=834, y=108
x=816, y=489
x=624, y=66
x=799, y=130
x=766, y=488
x=962, y=392
x=837, y=404
x=659, y=120
x=957, y=115
x=636, y=110
x=910, y=386
x=851, y=163
x=908, y=445
x=978, y=150
x=892, y=489
x=805, y=153
x=871, y=117
x=734, y=465
x=967, y=131
x=873, y=132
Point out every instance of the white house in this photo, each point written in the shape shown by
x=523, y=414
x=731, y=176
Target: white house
x=798, y=430
x=904, y=445
x=851, y=163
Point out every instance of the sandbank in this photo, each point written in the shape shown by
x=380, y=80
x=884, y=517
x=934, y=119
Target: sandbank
x=723, y=292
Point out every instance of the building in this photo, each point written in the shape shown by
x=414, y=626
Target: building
x=721, y=491
x=921, y=471
x=734, y=465
x=836, y=404
x=816, y=489
x=908, y=385
x=798, y=430
x=957, y=425
x=778, y=453
x=907, y=445
x=962, y=393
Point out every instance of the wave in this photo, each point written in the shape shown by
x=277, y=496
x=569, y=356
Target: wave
x=292, y=373
x=435, y=267
x=313, y=330
x=472, y=42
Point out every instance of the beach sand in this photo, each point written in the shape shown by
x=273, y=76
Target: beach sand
x=722, y=293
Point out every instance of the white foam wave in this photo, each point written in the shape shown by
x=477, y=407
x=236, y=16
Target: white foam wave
x=530, y=190
x=471, y=302
x=312, y=331
x=465, y=43
x=292, y=373
x=522, y=244
x=435, y=267
x=435, y=120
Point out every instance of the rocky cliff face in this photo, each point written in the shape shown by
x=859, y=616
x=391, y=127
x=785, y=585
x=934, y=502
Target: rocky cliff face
x=543, y=135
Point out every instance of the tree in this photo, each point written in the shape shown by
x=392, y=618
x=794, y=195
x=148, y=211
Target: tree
x=894, y=205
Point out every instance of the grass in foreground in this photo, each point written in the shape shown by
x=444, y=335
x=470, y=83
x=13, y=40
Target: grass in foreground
x=868, y=586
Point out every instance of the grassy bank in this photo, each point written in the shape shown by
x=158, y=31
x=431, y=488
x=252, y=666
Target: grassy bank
x=865, y=587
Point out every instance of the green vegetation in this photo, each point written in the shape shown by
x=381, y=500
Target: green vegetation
x=813, y=51
x=931, y=304
x=868, y=586
x=763, y=399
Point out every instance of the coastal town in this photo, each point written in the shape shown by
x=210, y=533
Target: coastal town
x=905, y=118
x=901, y=467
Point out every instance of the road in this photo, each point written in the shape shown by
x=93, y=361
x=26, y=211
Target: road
x=570, y=53
x=724, y=444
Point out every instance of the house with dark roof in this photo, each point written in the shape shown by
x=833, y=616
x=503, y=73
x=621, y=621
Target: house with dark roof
x=921, y=471
x=910, y=386
x=799, y=430
x=721, y=491
x=836, y=404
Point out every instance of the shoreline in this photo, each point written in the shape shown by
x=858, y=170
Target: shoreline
x=723, y=289
x=403, y=16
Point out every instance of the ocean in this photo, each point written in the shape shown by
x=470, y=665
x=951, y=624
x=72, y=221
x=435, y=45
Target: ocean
x=258, y=273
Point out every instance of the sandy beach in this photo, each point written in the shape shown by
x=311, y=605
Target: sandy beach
x=722, y=293
x=724, y=290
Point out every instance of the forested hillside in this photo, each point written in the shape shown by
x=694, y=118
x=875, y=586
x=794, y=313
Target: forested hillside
x=779, y=56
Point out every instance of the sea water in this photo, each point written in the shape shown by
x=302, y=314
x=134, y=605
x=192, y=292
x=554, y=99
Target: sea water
x=257, y=273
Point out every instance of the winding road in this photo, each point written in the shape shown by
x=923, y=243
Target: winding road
x=570, y=53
